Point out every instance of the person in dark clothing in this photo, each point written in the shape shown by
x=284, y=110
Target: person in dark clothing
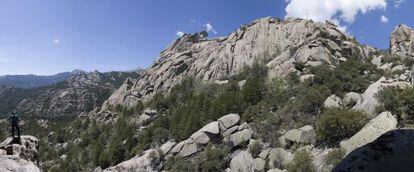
x=14, y=120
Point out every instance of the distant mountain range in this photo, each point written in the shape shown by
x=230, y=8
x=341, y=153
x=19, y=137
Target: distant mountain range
x=34, y=81
x=78, y=93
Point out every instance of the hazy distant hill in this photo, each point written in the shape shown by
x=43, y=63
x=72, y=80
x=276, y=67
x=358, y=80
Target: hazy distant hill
x=33, y=81
x=81, y=92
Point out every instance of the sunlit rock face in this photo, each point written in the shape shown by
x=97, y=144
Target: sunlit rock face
x=402, y=41
x=281, y=45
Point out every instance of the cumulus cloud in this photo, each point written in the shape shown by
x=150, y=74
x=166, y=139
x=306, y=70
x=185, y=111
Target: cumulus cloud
x=210, y=28
x=339, y=11
x=384, y=19
x=179, y=33
x=56, y=41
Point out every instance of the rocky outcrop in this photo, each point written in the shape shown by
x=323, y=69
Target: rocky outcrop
x=393, y=151
x=19, y=155
x=281, y=45
x=304, y=135
x=138, y=163
x=224, y=128
x=14, y=164
x=402, y=41
x=375, y=128
x=369, y=101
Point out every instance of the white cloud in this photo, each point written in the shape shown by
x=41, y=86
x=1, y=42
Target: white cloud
x=56, y=41
x=179, y=33
x=339, y=11
x=397, y=3
x=193, y=20
x=210, y=28
x=384, y=19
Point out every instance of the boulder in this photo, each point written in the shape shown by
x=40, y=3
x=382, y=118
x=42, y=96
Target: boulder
x=212, y=128
x=351, y=99
x=259, y=164
x=242, y=162
x=177, y=148
x=189, y=148
x=303, y=135
x=241, y=83
x=228, y=121
x=3, y=152
x=138, y=163
x=240, y=137
x=332, y=101
x=200, y=137
x=397, y=68
x=150, y=112
x=377, y=61
x=303, y=78
x=142, y=119
x=43, y=123
x=279, y=158
x=264, y=154
x=166, y=147
x=375, y=128
x=230, y=131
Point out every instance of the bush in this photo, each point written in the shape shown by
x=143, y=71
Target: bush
x=334, y=157
x=390, y=101
x=213, y=159
x=255, y=149
x=350, y=76
x=302, y=162
x=399, y=102
x=407, y=96
x=337, y=124
x=177, y=164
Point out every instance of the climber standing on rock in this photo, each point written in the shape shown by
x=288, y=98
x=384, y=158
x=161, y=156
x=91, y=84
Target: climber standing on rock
x=14, y=120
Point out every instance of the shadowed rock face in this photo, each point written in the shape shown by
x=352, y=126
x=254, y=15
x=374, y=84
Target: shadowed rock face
x=393, y=151
x=279, y=44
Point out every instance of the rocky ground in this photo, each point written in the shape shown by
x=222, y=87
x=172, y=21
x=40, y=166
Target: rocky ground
x=21, y=157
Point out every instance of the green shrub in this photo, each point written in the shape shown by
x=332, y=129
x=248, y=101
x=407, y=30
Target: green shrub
x=350, y=76
x=390, y=101
x=177, y=164
x=399, y=102
x=255, y=149
x=407, y=96
x=302, y=162
x=214, y=158
x=337, y=124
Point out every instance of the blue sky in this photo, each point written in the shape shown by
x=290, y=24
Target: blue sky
x=51, y=36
